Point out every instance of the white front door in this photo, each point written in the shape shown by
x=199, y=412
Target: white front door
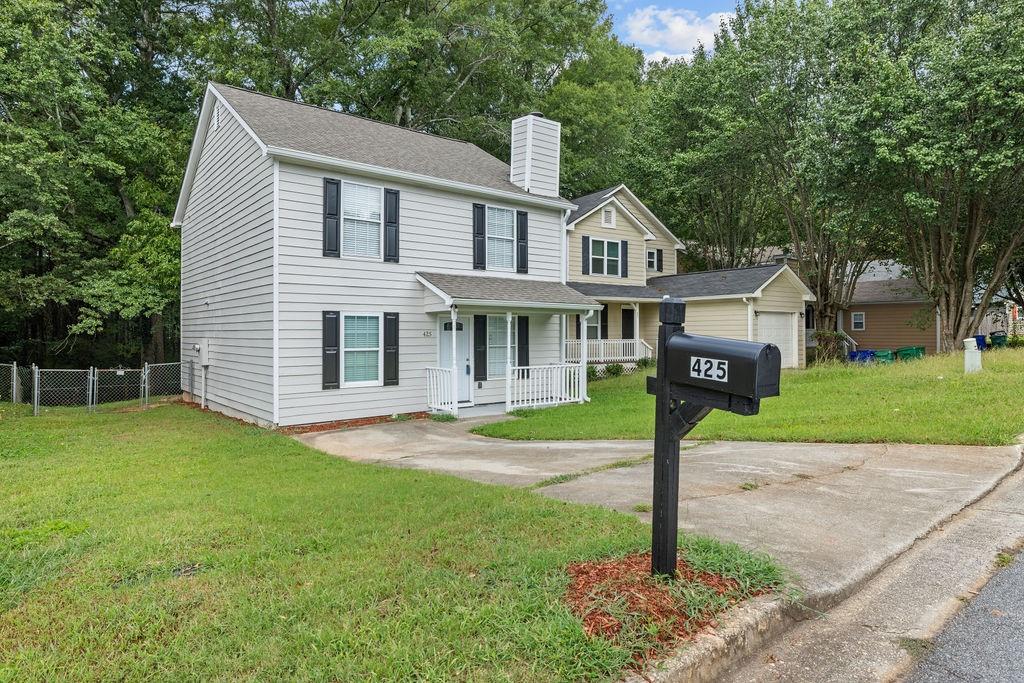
x=464, y=366
x=779, y=329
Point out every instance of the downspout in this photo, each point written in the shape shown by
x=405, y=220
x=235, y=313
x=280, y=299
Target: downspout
x=508, y=361
x=750, y=318
x=565, y=246
x=583, y=356
x=454, y=312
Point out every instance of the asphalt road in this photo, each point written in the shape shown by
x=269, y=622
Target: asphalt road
x=985, y=641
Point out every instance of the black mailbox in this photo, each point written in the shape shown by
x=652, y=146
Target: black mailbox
x=728, y=374
x=696, y=374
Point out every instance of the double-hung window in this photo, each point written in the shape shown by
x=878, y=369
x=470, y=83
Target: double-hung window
x=497, y=345
x=501, y=238
x=362, y=208
x=361, y=348
x=858, y=321
x=652, y=259
x=604, y=257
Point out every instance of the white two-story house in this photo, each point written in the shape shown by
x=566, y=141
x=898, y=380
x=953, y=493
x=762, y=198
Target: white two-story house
x=336, y=268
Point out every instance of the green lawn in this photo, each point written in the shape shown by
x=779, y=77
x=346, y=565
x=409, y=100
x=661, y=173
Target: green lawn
x=924, y=401
x=172, y=544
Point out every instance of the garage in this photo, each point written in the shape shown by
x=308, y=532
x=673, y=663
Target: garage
x=779, y=328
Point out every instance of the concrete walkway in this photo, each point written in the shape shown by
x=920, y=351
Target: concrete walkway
x=833, y=514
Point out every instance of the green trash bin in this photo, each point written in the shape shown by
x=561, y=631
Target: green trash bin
x=910, y=352
x=884, y=356
x=1000, y=340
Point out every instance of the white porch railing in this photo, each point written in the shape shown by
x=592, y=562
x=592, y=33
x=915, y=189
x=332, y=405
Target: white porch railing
x=608, y=350
x=534, y=386
x=440, y=391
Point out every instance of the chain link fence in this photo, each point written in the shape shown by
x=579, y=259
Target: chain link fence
x=91, y=389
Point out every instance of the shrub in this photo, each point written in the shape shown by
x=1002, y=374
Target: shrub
x=613, y=369
x=591, y=373
x=1016, y=341
x=644, y=363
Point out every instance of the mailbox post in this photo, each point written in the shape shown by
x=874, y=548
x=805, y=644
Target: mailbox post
x=695, y=375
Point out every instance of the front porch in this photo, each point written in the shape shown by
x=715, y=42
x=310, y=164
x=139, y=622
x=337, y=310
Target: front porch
x=502, y=341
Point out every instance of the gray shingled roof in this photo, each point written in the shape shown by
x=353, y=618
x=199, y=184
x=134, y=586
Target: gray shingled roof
x=731, y=282
x=587, y=203
x=900, y=290
x=600, y=290
x=469, y=288
x=305, y=128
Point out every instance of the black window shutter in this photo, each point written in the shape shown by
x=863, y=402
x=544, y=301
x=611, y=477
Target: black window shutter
x=523, y=340
x=661, y=260
x=391, y=226
x=624, y=258
x=390, y=349
x=479, y=348
x=479, y=238
x=586, y=255
x=604, y=321
x=522, y=228
x=331, y=336
x=578, y=317
x=332, y=222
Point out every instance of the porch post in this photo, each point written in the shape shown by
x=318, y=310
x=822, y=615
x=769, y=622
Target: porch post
x=455, y=361
x=637, y=337
x=508, y=361
x=583, y=356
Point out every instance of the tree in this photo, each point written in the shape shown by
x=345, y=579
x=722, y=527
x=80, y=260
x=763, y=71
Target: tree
x=942, y=122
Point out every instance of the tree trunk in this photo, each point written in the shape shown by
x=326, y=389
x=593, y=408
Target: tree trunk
x=155, y=348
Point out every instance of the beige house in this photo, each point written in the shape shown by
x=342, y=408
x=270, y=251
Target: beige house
x=614, y=244
x=622, y=256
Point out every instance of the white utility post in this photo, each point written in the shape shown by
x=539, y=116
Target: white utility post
x=972, y=356
x=455, y=361
x=584, y=342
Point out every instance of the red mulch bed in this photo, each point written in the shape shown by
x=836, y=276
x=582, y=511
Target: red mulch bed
x=599, y=583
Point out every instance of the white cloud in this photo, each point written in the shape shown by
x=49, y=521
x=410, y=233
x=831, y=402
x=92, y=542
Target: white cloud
x=668, y=32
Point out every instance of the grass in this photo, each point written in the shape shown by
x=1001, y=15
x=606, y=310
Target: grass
x=179, y=545
x=924, y=401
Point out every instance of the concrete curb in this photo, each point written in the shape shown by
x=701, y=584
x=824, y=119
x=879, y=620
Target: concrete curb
x=747, y=627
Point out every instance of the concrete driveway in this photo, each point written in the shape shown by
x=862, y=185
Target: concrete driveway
x=831, y=513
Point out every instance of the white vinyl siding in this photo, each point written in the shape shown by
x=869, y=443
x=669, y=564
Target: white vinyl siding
x=497, y=347
x=436, y=235
x=362, y=209
x=604, y=257
x=501, y=238
x=227, y=274
x=362, y=357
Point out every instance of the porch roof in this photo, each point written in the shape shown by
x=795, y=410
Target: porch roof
x=510, y=292
x=599, y=290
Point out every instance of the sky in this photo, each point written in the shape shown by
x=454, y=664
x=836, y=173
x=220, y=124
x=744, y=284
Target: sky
x=668, y=28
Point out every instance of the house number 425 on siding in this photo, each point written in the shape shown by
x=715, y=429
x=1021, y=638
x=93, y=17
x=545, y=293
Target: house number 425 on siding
x=709, y=368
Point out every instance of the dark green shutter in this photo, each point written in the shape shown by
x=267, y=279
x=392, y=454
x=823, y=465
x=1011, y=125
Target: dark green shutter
x=479, y=237
x=522, y=250
x=604, y=321
x=624, y=258
x=586, y=255
x=660, y=260
x=479, y=348
x=523, y=340
x=391, y=226
x=332, y=217
x=331, y=337
x=390, y=349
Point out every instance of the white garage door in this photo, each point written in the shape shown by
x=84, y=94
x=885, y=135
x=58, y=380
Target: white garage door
x=779, y=329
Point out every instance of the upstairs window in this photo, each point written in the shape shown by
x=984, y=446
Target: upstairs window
x=652, y=259
x=501, y=239
x=362, y=224
x=604, y=257
x=608, y=217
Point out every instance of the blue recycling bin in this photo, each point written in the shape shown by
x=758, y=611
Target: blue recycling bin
x=980, y=338
x=863, y=356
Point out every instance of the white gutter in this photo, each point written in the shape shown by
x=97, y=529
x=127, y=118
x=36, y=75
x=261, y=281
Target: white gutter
x=415, y=178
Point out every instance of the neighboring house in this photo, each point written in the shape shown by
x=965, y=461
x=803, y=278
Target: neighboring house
x=760, y=303
x=890, y=314
x=334, y=267
x=615, y=243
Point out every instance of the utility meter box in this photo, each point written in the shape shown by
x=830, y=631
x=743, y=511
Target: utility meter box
x=204, y=352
